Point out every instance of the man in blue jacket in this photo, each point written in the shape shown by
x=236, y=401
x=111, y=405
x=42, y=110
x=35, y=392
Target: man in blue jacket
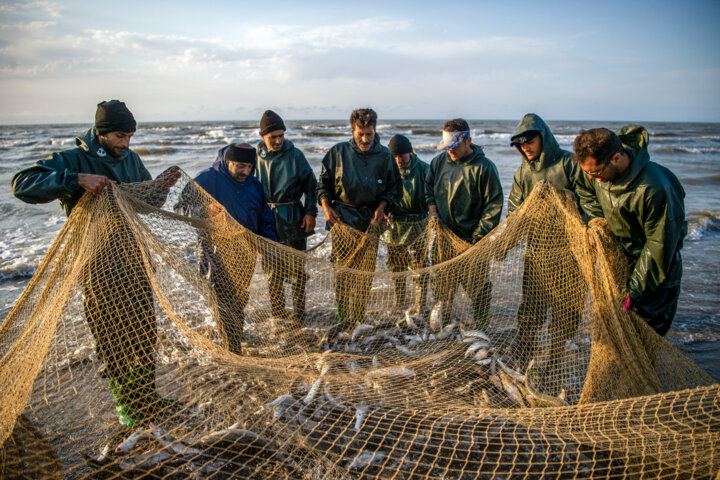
x=228, y=261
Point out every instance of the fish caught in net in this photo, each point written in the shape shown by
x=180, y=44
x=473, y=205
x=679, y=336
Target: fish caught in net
x=509, y=358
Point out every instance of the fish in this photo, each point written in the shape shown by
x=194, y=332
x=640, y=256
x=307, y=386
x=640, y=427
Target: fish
x=391, y=372
x=511, y=388
x=405, y=350
x=129, y=443
x=361, y=329
x=144, y=461
x=476, y=334
x=514, y=374
x=475, y=347
x=436, y=318
x=413, y=322
x=360, y=415
x=166, y=440
x=313, y=391
x=365, y=459
x=232, y=435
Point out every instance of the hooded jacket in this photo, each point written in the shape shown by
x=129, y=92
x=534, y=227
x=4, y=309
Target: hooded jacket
x=244, y=201
x=57, y=176
x=285, y=177
x=554, y=164
x=355, y=182
x=467, y=193
x=412, y=206
x=644, y=207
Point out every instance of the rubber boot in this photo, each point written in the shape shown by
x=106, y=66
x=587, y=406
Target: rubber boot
x=125, y=406
x=148, y=395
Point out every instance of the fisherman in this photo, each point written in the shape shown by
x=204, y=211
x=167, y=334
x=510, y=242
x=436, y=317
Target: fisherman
x=544, y=160
x=359, y=180
x=463, y=189
x=286, y=176
x=408, y=219
x=229, y=261
x=643, y=203
x=125, y=334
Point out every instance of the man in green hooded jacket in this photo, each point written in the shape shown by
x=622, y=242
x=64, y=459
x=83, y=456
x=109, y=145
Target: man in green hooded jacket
x=358, y=181
x=408, y=219
x=643, y=203
x=286, y=176
x=463, y=189
x=544, y=160
x=125, y=335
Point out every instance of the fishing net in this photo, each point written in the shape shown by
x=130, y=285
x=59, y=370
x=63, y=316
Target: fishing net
x=428, y=358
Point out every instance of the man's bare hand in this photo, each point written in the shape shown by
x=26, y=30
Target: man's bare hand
x=330, y=213
x=379, y=214
x=94, y=183
x=308, y=223
x=169, y=177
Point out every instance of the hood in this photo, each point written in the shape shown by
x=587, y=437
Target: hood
x=263, y=151
x=551, y=148
x=221, y=167
x=375, y=148
x=408, y=171
x=89, y=142
x=635, y=140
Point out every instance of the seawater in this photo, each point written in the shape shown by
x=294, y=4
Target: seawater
x=690, y=150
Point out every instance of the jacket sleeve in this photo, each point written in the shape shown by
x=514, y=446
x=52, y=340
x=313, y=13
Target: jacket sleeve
x=394, y=189
x=310, y=186
x=493, y=201
x=516, y=193
x=47, y=180
x=267, y=219
x=430, y=184
x=326, y=182
x=585, y=191
x=663, y=225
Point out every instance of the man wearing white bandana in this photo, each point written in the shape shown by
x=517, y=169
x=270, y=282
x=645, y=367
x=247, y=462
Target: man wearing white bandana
x=463, y=189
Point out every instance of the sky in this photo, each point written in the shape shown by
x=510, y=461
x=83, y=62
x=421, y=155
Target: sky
x=231, y=60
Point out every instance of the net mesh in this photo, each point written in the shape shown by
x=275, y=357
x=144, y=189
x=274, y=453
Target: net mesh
x=432, y=358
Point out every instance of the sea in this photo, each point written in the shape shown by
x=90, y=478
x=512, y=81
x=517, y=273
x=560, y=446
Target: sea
x=690, y=150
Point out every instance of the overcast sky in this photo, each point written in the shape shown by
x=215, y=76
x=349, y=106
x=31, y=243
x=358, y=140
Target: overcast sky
x=230, y=60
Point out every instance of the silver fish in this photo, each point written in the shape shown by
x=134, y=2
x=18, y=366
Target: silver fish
x=476, y=334
x=166, y=440
x=360, y=415
x=511, y=388
x=364, y=459
x=144, y=461
x=130, y=442
x=435, y=317
x=313, y=391
x=391, y=372
x=475, y=347
x=361, y=329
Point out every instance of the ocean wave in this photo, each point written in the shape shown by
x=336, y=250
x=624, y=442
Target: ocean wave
x=709, y=180
x=710, y=137
x=702, y=224
x=19, y=269
x=687, y=337
x=325, y=133
x=693, y=150
x=145, y=151
x=426, y=131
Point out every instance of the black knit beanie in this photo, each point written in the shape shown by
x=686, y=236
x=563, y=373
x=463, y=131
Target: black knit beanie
x=400, y=144
x=270, y=122
x=239, y=152
x=113, y=116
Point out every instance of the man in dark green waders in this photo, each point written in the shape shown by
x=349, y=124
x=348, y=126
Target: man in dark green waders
x=358, y=181
x=463, y=189
x=644, y=205
x=544, y=160
x=125, y=334
x=286, y=176
x=408, y=219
